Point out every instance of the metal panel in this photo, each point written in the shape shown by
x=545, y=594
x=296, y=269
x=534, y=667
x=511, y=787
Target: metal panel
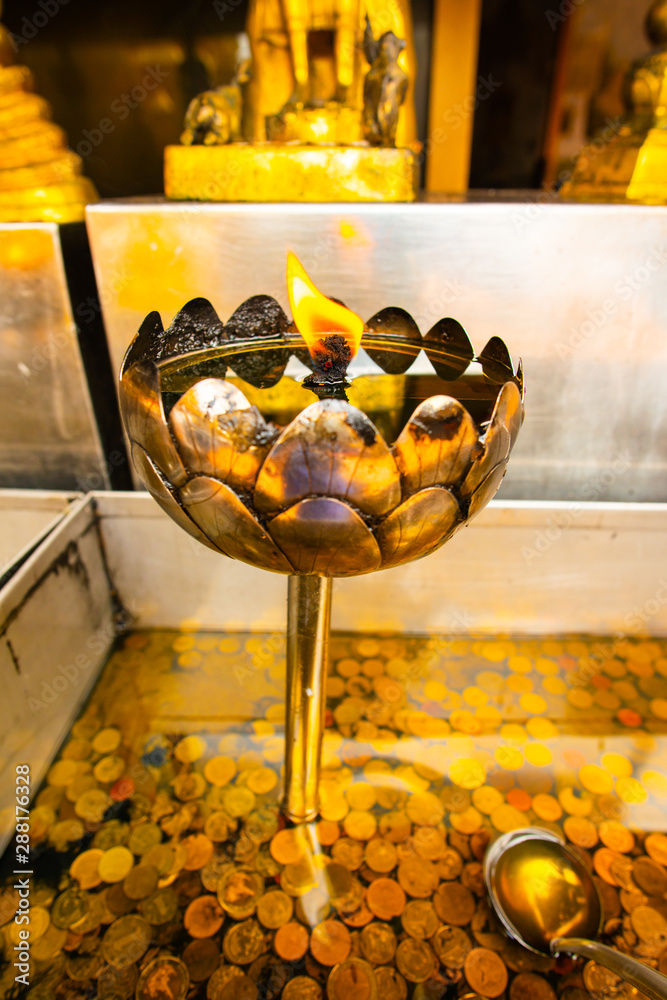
x=577, y=290
x=56, y=627
x=49, y=436
x=26, y=518
x=521, y=567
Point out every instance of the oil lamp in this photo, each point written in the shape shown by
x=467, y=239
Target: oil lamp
x=333, y=476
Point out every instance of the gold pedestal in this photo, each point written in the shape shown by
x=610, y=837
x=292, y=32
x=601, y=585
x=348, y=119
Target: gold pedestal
x=268, y=172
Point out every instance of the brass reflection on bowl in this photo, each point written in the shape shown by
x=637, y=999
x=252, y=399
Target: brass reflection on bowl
x=326, y=494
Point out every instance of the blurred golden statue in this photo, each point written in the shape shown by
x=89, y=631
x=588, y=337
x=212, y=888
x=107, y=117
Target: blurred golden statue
x=321, y=110
x=632, y=165
x=40, y=179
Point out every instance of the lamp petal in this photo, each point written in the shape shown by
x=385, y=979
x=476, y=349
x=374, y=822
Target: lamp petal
x=219, y=434
x=223, y=518
x=330, y=449
x=420, y=525
x=437, y=445
x=448, y=348
x=144, y=419
x=163, y=494
x=498, y=439
x=325, y=537
x=400, y=323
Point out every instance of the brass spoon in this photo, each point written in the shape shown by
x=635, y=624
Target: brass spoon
x=547, y=900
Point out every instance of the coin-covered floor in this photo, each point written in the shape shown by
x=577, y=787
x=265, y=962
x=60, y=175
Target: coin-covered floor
x=163, y=869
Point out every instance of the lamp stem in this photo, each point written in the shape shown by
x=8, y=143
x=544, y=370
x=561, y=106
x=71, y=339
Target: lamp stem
x=308, y=619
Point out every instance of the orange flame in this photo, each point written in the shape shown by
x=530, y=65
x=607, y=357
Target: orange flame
x=316, y=316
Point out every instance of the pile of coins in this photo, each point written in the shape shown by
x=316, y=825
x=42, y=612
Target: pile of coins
x=163, y=868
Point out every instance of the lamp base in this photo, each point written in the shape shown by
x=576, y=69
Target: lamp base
x=632, y=167
x=270, y=172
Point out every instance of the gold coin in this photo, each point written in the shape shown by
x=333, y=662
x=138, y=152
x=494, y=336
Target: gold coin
x=485, y=972
x=580, y=831
x=348, y=852
x=380, y=855
x=189, y=786
x=262, y=780
x=243, y=943
x=160, y=908
x=291, y=941
x=417, y=877
x=274, y=909
x=213, y=871
x=161, y=857
x=649, y=876
x=239, y=988
x=92, y=805
x=650, y=925
x=352, y=980
x=390, y=984
x=49, y=945
x=115, y=864
x=117, y=983
x=199, y=850
x=204, y=917
x=143, y=836
x=378, y=943
x=218, y=981
x=616, y=837
x=655, y=846
x=415, y=960
x=360, y=825
x=288, y=846
x=109, y=769
x=126, y=940
x=454, y=904
x=239, y=891
x=112, y=834
x=81, y=967
x=190, y=749
x=385, y=899
x=62, y=773
x=70, y=906
x=202, y=958
x=106, y=740
x=238, y=801
x=451, y=945
x=299, y=878
x=219, y=771
x=429, y=843
x=165, y=978
x=84, y=868
x=262, y=824
x=528, y=986
x=97, y=912
x=450, y=864
x=419, y=919
x=218, y=827
x=140, y=882
x=302, y=988
x=330, y=942
x=117, y=901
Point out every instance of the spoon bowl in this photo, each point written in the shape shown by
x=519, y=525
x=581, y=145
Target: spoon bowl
x=546, y=899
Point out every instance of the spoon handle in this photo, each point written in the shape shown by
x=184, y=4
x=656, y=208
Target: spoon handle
x=650, y=982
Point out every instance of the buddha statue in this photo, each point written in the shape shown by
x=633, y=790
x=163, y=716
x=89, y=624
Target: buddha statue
x=632, y=165
x=322, y=109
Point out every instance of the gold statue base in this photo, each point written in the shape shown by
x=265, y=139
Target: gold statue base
x=630, y=168
x=267, y=172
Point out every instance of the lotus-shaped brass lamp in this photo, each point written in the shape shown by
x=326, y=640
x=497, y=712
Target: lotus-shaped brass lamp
x=300, y=480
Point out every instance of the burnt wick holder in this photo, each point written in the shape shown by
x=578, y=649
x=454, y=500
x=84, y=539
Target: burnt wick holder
x=323, y=494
